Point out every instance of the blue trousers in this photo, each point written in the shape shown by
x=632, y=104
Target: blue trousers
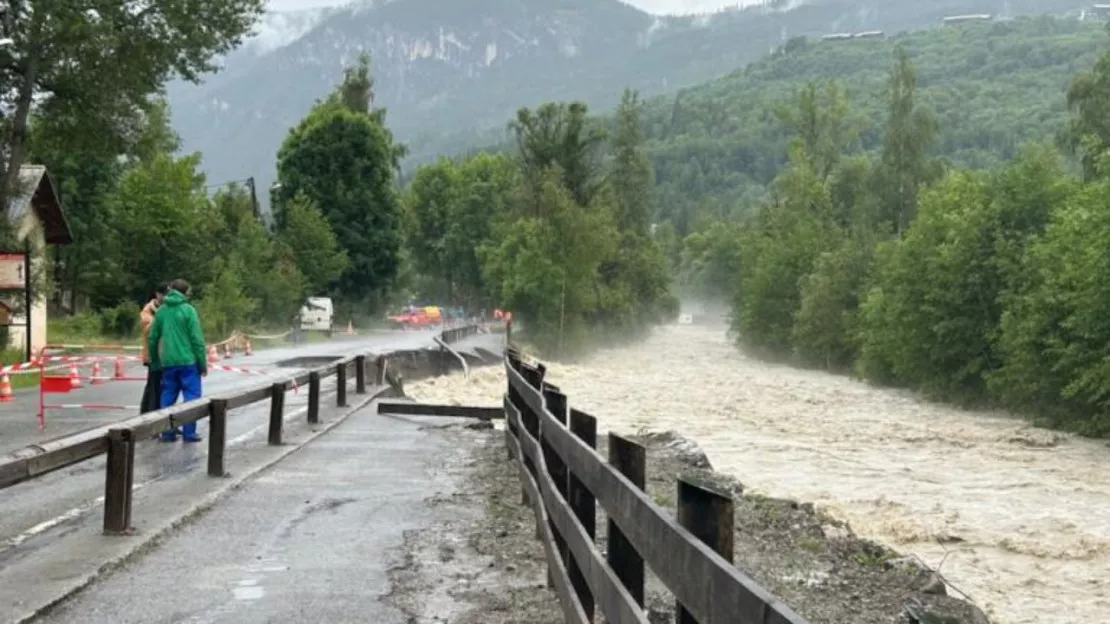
x=183, y=380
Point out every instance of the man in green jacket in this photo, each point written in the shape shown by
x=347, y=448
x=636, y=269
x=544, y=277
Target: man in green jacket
x=176, y=345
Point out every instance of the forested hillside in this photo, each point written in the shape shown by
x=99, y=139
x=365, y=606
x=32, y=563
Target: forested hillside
x=992, y=87
x=937, y=222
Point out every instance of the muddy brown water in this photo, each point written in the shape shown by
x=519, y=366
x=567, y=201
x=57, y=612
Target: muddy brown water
x=1015, y=516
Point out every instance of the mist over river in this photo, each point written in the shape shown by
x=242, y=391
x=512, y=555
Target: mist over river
x=1017, y=517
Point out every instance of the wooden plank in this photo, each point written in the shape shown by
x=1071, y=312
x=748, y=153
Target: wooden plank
x=247, y=397
x=682, y=562
x=572, y=610
x=409, y=408
x=617, y=604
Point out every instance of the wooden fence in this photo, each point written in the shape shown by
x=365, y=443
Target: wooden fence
x=564, y=479
x=118, y=439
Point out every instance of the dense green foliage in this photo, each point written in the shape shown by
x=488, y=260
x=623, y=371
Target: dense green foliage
x=979, y=282
x=89, y=67
x=990, y=87
x=557, y=234
x=143, y=216
x=342, y=158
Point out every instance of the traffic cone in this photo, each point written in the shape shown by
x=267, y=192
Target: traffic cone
x=118, y=374
x=213, y=354
x=74, y=376
x=247, y=350
x=96, y=373
x=5, y=388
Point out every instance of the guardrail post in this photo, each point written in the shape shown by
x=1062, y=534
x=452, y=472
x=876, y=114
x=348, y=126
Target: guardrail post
x=277, y=413
x=630, y=459
x=709, y=516
x=118, y=480
x=360, y=374
x=583, y=503
x=314, y=397
x=341, y=385
x=217, y=436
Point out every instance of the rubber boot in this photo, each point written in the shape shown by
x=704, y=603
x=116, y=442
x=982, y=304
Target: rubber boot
x=189, y=433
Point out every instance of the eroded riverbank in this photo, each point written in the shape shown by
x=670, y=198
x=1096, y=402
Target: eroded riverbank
x=1017, y=517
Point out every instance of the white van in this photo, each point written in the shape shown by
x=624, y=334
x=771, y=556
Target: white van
x=317, y=314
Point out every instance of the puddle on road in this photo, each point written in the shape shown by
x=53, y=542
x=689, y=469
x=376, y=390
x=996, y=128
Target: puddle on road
x=1017, y=517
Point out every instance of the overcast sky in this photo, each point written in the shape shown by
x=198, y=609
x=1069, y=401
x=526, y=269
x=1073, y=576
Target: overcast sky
x=652, y=6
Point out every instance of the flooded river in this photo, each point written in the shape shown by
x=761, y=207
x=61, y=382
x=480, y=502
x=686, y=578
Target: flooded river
x=1016, y=517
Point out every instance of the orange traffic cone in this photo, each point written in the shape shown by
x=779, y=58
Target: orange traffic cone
x=74, y=376
x=96, y=379
x=227, y=350
x=213, y=354
x=118, y=374
x=247, y=350
x=5, y=388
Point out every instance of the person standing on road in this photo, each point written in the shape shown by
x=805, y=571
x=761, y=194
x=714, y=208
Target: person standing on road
x=152, y=392
x=176, y=344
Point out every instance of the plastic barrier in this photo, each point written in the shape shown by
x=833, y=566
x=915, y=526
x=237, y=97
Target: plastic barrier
x=61, y=384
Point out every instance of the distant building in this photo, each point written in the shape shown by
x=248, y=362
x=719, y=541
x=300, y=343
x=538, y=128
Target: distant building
x=836, y=36
x=959, y=19
x=1098, y=11
x=35, y=212
x=868, y=34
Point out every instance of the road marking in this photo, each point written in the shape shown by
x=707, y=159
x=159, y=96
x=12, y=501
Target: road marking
x=76, y=512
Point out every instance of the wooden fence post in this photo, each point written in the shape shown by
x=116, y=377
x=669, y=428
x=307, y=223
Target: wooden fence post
x=709, y=516
x=556, y=403
x=360, y=374
x=341, y=385
x=217, y=436
x=118, y=480
x=277, y=413
x=630, y=459
x=314, y=397
x=582, y=501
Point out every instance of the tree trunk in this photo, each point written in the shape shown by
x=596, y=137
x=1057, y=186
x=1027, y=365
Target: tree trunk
x=17, y=144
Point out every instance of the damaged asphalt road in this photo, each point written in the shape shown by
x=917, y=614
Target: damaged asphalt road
x=311, y=539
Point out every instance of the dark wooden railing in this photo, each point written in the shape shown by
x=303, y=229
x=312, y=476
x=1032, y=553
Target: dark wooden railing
x=118, y=439
x=564, y=479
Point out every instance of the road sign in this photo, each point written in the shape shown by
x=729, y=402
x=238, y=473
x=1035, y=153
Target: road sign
x=13, y=271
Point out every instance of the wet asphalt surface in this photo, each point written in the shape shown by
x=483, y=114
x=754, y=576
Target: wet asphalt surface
x=310, y=540
x=30, y=512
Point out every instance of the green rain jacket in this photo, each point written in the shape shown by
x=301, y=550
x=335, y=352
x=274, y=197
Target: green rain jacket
x=176, y=338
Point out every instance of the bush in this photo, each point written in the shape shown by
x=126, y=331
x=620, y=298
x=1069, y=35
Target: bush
x=121, y=321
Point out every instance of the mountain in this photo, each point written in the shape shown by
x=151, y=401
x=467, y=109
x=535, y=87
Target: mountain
x=449, y=71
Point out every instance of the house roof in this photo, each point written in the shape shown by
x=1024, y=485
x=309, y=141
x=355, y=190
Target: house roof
x=35, y=190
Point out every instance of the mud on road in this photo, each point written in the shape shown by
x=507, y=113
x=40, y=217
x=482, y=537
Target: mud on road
x=483, y=564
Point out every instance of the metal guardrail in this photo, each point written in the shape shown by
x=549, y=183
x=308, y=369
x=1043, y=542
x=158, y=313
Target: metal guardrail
x=118, y=439
x=564, y=479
